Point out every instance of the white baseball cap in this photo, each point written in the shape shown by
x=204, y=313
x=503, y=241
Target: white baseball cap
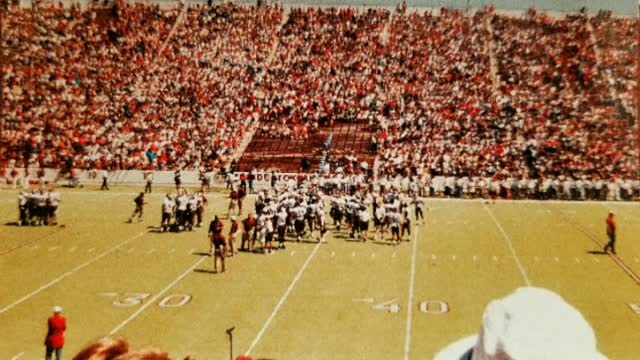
x=57, y=309
x=532, y=323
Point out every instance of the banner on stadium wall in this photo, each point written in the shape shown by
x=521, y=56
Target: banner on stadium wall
x=19, y=176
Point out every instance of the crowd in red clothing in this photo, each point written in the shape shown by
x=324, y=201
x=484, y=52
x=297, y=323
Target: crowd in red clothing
x=453, y=94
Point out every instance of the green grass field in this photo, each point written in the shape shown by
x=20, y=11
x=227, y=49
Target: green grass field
x=340, y=300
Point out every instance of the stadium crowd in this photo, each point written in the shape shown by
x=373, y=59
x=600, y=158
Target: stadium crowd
x=447, y=95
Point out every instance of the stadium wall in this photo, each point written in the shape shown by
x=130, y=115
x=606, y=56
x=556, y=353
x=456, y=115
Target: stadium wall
x=618, y=7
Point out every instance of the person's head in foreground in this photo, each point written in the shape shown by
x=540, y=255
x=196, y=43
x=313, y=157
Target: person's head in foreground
x=530, y=324
x=118, y=349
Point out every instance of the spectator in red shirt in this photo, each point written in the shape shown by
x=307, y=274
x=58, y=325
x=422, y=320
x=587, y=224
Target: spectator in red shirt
x=54, y=341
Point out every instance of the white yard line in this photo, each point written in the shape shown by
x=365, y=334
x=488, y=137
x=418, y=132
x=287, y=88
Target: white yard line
x=282, y=300
x=160, y=294
x=68, y=273
x=18, y=356
x=510, y=243
x=412, y=281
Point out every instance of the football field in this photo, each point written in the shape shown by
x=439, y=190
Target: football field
x=340, y=300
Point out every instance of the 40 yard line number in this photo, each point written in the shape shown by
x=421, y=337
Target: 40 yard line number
x=137, y=299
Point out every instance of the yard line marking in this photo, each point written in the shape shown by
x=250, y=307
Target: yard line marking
x=510, y=243
x=364, y=300
x=412, y=281
x=69, y=273
x=18, y=356
x=282, y=300
x=161, y=293
x=31, y=242
x=191, y=251
x=594, y=238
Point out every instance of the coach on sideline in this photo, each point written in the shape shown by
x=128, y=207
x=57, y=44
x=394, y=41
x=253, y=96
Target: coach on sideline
x=54, y=341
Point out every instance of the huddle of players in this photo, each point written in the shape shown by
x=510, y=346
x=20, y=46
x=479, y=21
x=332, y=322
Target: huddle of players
x=279, y=214
x=38, y=207
x=390, y=212
x=183, y=213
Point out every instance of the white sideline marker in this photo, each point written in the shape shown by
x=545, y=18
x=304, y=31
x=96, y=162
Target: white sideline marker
x=18, y=356
x=68, y=273
x=282, y=300
x=161, y=293
x=510, y=244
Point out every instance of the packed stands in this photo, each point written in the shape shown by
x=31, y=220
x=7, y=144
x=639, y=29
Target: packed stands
x=444, y=92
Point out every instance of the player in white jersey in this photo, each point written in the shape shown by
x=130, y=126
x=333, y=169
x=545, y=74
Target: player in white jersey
x=168, y=208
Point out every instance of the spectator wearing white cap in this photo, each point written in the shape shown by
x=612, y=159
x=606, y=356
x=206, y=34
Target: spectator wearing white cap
x=532, y=323
x=54, y=341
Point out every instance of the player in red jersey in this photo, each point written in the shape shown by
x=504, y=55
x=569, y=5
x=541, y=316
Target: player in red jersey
x=234, y=232
x=611, y=232
x=248, y=234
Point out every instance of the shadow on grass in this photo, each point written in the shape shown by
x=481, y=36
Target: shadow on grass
x=597, y=252
x=205, y=271
x=12, y=223
x=200, y=253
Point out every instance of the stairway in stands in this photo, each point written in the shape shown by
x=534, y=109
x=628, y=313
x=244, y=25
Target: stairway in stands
x=286, y=155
